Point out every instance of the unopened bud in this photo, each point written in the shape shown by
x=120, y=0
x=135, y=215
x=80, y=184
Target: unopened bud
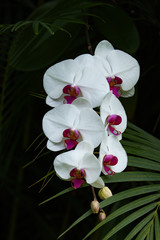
x=102, y=215
x=95, y=206
x=104, y=193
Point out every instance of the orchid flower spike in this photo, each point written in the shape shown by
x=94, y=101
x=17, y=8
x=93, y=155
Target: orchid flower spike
x=79, y=166
x=113, y=115
x=112, y=156
x=66, y=125
x=120, y=69
x=70, y=79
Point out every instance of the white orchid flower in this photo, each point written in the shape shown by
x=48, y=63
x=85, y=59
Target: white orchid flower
x=121, y=70
x=79, y=165
x=70, y=79
x=66, y=125
x=113, y=115
x=112, y=156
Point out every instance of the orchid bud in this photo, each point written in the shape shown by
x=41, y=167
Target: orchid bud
x=95, y=206
x=104, y=193
x=102, y=215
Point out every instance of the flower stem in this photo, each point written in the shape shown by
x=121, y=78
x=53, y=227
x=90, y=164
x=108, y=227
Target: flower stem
x=88, y=37
x=94, y=194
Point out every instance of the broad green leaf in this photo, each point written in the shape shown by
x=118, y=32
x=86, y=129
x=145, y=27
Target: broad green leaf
x=133, y=176
x=117, y=197
x=117, y=27
x=139, y=226
x=143, y=163
x=157, y=227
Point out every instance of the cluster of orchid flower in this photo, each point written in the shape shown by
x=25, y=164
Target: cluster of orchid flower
x=86, y=113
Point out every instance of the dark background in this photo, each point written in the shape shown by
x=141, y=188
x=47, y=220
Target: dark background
x=133, y=27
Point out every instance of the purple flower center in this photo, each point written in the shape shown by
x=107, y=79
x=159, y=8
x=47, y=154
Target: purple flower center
x=78, y=177
x=72, y=91
x=114, y=83
x=109, y=160
x=113, y=120
x=72, y=136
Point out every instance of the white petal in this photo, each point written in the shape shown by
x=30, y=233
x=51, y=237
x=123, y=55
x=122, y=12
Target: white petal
x=93, y=85
x=129, y=93
x=55, y=146
x=54, y=102
x=111, y=145
x=98, y=183
x=58, y=119
x=58, y=76
x=65, y=162
x=126, y=67
x=82, y=103
x=92, y=167
x=91, y=127
x=111, y=105
x=103, y=49
x=85, y=147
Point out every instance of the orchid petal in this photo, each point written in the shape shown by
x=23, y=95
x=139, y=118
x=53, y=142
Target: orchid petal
x=98, y=183
x=65, y=162
x=58, y=119
x=82, y=103
x=112, y=106
x=92, y=167
x=54, y=102
x=93, y=90
x=124, y=66
x=58, y=76
x=112, y=146
x=91, y=127
x=128, y=93
x=103, y=49
x=69, y=143
x=85, y=147
x=76, y=183
x=55, y=146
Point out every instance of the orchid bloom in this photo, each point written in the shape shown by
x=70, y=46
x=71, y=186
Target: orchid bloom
x=112, y=156
x=113, y=115
x=70, y=79
x=120, y=69
x=68, y=124
x=79, y=166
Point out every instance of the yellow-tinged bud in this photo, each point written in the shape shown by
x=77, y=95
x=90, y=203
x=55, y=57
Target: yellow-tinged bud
x=104, y=193
x=101, y=215
x=95, y=206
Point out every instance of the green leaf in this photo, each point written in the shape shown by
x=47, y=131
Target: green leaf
x=157, y=227
x=117, y=197
x=117, y=27
x=142, y=235
x=132, y=177
x=139, y=226
x=125, y=221
x=143, y=163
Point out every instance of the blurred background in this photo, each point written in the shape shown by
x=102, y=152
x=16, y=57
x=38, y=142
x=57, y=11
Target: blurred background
x=35, y=34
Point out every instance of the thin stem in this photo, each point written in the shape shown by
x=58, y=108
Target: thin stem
x=88, y=37
x=94, y=194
